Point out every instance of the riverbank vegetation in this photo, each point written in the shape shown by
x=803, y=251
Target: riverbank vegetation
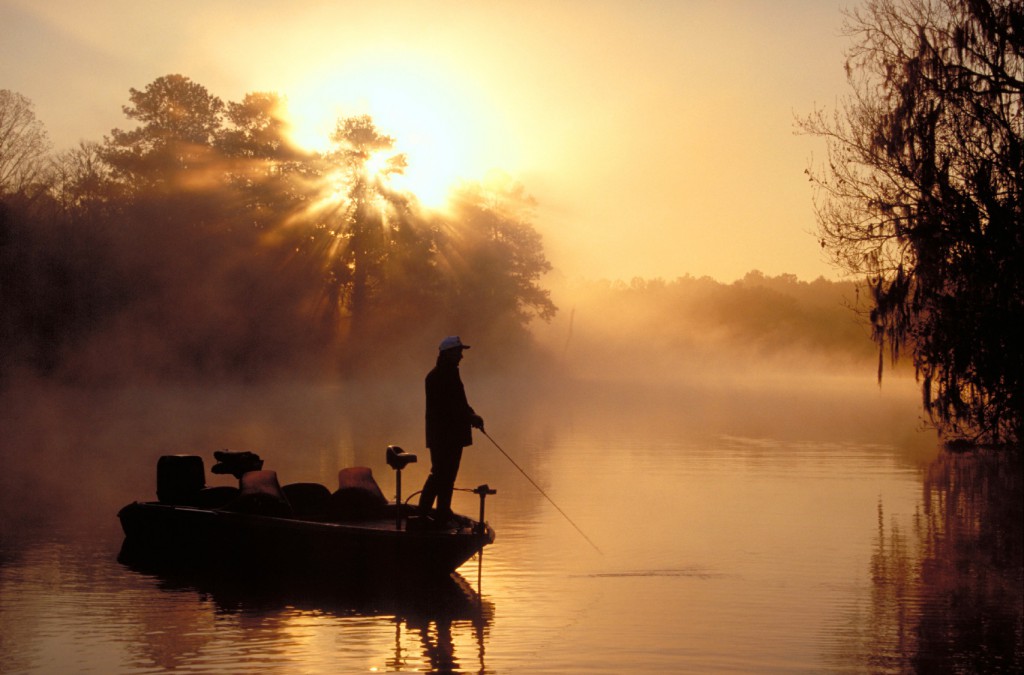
x=922, y=195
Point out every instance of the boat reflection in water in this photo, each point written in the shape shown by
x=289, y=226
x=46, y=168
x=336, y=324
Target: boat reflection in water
x=432, y=619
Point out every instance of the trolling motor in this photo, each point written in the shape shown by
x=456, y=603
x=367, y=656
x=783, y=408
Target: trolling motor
x=398, y=459
x=483, y=491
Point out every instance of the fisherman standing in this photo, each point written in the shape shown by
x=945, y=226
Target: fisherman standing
x=449, y=422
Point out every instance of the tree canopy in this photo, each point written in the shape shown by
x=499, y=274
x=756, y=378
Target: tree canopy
x=201, y=239
x=923, y=196
x=23, y=146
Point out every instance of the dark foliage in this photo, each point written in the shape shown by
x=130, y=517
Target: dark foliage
x=203, y=242
x=924, y=196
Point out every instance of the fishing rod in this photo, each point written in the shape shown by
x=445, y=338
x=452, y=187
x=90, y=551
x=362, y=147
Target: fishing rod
x=534, y=483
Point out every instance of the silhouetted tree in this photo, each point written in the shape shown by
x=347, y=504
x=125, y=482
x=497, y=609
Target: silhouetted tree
x=257, y=129
x=494, y=258
x=23, y=147
x=203, y=241
x=179, y=120
x=924, y=196
x=200, y=188
x=366, y=214
x=82, y=185
x=271, y=175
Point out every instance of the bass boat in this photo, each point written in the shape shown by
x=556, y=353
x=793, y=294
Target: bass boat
x=262, y=526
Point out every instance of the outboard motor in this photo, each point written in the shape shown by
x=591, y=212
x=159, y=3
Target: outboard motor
x=179, y=478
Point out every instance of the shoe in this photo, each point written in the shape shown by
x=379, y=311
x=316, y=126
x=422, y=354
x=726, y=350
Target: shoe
x=419, y=523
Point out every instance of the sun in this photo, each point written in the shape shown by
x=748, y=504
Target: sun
x=437, y=136
x=379, y=164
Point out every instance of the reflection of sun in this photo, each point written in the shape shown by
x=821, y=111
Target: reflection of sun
x=425, y=121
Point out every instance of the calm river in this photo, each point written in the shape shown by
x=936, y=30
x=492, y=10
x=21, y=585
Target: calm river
x=795, y=526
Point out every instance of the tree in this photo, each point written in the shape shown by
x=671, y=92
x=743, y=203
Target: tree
x=168, y=175
x=257, y=128
x=204, y=228
x=81, y=183
x=394, y=269
x=923, y=197
x=23, y=145
x=179, y=120
x=495, y=257
x=368, y=214
x=261, y=161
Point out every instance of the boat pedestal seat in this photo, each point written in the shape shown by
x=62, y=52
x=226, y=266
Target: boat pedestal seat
x=308, y=500
x=260, y=494
x=358, y=496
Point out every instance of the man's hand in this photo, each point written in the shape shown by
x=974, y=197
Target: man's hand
x=477, y=422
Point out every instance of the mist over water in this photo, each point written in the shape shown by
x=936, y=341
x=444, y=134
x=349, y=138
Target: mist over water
x=692, y=357
x=93, y=446
x=82, y=442
x=739, y=519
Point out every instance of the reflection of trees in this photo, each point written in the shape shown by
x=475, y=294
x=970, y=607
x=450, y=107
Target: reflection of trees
x=948, y=595
x=971, y=564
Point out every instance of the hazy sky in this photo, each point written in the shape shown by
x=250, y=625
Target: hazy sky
x=657, y=135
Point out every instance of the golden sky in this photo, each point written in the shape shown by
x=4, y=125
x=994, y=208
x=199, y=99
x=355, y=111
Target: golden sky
x=657, y=135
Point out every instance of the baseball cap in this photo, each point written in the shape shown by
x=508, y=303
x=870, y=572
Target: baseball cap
x=452, y=342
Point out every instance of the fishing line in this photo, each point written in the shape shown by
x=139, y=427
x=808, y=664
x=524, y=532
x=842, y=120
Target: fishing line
x=534, y=483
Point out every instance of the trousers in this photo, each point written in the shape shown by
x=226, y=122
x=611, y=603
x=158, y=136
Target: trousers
x=440, y=484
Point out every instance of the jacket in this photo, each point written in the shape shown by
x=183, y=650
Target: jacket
x=449, y=416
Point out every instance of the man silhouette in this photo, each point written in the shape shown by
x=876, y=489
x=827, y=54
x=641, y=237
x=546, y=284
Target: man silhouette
x=449, y=422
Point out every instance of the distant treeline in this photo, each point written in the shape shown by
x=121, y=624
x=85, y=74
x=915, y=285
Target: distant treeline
x=672, y=328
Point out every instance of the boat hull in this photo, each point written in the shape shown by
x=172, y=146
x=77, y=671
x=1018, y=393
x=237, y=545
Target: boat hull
x=257, y=543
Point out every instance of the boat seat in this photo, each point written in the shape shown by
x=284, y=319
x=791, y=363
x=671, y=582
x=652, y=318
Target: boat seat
x=358, y=496
x=260, y=494
x=307, y=499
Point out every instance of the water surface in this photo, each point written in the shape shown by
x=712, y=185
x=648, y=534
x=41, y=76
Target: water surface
x=800, y=526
